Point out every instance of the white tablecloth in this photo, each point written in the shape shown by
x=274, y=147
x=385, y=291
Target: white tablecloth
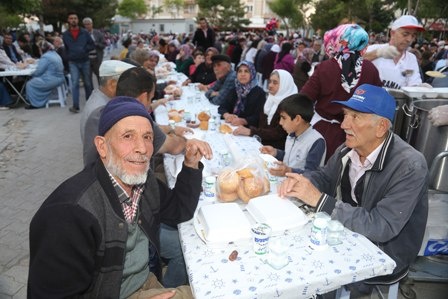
x=194, y=101
x=213, y=275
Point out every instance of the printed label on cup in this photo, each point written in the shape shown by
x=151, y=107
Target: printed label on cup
x=261, y=233
x=272, y=178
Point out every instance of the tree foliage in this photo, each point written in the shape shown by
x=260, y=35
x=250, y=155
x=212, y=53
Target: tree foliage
x=223, y=14
x=55, y=11
x=173, y=6
x=11, y=10
x=374, y=15
x=288, y=11
x=132, y=8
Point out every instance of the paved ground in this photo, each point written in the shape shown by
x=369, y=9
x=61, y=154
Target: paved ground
x=38, y=150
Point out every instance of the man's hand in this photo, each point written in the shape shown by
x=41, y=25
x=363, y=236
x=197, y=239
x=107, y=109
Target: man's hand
x=203, y=87
x=229, y=117
x=181, y=131
x=267, y=149
x=167, y=295
x=241, y=131
x=438, y=116
x=280, y=169
x=195, y=150
x=298, y=186
x=388, y=52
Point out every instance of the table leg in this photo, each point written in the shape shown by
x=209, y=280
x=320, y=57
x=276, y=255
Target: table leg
x=19, y=93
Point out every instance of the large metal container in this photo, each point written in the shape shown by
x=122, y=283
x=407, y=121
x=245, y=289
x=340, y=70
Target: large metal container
x=431, y=141
x=403, y=113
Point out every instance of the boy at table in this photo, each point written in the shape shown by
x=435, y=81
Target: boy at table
x=304, y=147
x=375, y=184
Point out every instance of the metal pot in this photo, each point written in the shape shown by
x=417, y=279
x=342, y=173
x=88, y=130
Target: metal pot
x=431, y=141
x=403, y=113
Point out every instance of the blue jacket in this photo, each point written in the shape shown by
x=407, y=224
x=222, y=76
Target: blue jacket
x=78, y=50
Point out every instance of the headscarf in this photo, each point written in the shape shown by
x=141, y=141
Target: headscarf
x=287, y=87
x=242, y=90
x=346, y=43
x=187, y=51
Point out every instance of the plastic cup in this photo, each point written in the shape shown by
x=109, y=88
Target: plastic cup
x=334, y=232
x=278, y=253
x=261, y=233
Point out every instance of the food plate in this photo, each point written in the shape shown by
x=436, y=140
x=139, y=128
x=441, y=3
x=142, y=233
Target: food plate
x=222, y=223
x=435, y=74
x=280, y=214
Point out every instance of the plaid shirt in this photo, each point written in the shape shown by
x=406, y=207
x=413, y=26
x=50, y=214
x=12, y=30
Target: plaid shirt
x=129, y=204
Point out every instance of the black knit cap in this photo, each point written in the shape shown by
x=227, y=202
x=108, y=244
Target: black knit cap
x=119, y=108
x=221, y=57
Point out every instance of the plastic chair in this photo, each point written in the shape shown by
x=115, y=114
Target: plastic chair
x=62, y=96
x=68, y=80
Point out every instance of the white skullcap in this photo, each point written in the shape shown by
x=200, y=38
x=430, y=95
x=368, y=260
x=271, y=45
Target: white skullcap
x=110, y=68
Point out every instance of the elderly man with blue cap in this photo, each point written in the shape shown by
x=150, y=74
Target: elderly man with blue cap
x=97, y=234
x=375, y=183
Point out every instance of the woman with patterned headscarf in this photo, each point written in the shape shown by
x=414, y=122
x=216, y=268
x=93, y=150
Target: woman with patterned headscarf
x=337, y=78
x=281, y=85
x=245, y=103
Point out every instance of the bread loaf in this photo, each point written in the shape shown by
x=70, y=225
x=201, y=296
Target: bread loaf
x=228, y=181
x=225, y=129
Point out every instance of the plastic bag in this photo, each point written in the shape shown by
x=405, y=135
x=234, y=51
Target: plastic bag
x=438, y=116
x=245, y=181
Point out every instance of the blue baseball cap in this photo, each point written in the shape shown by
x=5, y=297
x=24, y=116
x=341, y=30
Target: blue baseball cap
x=371, y=99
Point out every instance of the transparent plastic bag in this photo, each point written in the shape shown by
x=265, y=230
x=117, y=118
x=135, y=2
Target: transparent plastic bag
x=244, y=181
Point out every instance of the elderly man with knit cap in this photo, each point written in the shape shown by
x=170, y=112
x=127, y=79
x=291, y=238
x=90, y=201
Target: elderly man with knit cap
x=397, y=66
x=96, y=235
x=375, y=183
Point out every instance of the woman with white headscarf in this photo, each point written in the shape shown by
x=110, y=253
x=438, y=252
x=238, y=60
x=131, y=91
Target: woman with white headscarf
x=281, y=85
x=337, y=78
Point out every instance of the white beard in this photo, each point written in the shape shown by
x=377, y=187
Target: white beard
x=117, y=171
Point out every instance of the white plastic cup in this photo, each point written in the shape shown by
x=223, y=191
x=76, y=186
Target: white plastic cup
x=334, y=232
x=261, y=233
x=278, y=253
x=272, y=178
x=210, y=188
x=318, y=235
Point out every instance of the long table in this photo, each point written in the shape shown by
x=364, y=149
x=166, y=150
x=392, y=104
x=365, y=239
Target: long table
x=309, y=272
x=25, y=73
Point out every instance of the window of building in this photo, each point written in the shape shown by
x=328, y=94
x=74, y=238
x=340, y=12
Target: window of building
x=162, y=27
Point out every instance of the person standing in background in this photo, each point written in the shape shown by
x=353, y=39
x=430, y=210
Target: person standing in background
x=96, y=55
x=337, y=79
x=204, y=36
x=396, y=65
x=78, y=45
